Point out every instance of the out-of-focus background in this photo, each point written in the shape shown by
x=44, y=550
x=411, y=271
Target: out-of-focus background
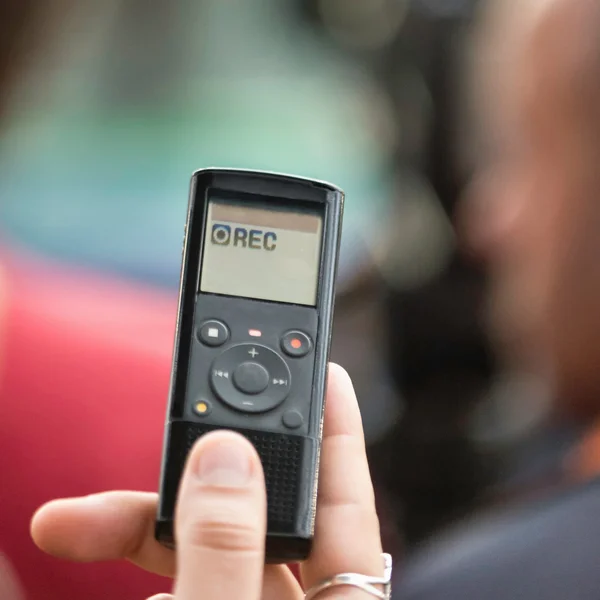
x=119, y=103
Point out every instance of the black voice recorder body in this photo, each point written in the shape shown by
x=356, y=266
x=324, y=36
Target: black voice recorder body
x=253, y=337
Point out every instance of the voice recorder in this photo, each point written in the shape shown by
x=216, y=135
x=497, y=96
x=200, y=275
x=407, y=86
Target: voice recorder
x=253, y=336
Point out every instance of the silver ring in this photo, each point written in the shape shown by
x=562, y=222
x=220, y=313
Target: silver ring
x=364, y=582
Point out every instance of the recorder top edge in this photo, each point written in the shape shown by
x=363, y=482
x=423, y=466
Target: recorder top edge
x=273, y=175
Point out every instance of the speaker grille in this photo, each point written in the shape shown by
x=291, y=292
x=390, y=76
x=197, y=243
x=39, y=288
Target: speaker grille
x=281, y=457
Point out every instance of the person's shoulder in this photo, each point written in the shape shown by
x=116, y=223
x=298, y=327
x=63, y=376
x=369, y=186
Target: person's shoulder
x=545, y=550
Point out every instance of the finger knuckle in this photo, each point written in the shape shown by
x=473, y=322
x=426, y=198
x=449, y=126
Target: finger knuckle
x=362, y=514
x=219, y=534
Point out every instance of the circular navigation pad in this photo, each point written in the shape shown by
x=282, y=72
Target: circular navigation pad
x=251, y=378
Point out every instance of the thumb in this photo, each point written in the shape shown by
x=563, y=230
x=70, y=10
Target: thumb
x=220, y=522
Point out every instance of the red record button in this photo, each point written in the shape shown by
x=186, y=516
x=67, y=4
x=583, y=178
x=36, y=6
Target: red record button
x=296, y=344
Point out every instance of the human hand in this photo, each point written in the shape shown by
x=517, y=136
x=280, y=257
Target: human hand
x=221, y=518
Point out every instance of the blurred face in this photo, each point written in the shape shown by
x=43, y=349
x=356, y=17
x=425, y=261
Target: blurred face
x=534, y=209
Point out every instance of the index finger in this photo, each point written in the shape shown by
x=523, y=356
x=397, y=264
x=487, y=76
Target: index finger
x=347, y=537
x=106, y=526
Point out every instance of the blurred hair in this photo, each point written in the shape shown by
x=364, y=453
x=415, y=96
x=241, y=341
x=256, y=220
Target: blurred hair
x=15, y=18
x=23, y=26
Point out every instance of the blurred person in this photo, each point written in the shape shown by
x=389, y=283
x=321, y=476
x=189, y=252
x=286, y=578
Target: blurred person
x=533, y=214
x=439, y=360
x=436, y=347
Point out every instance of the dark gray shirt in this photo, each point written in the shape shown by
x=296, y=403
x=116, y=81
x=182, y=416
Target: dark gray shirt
x=544, y=551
